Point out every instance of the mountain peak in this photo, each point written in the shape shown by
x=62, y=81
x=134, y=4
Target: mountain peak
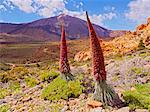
x=62, y=15
x=48, y=29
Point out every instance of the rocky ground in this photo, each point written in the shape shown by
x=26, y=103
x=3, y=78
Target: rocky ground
x=122, y=73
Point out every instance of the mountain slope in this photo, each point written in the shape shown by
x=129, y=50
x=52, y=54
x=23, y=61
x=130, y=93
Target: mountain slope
x=126, y=43
x=48, y=29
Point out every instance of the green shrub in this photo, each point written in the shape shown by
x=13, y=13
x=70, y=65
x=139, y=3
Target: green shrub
x=4, y=108
x=19, y=72
x=137, y=70
x=4, y=92
x=145, y=54
x=79, y=77
x=46, y=75
x=141, y=45
x=31, y=81
x=4, y=77
x=118, y=57
x=147, y=73
x=56, y=67
x=56, y=107
x=139, y=98
x=14, y=86
x=75, y=87
x=60, y=89
x=14, y=74
x=130, y=57
x=115, y=78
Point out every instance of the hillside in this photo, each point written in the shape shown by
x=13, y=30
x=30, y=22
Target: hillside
x=15, y=38
x=126, y=43
x=48, y=29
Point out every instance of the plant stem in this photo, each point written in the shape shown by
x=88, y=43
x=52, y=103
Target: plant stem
x=105, y=94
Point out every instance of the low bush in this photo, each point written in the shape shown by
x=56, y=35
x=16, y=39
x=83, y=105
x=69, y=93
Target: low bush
x=14, y=74
x=4, y=77
x=118, y=57
x=31, y=81
x=48, y=75
x=141, y=45
x=4, y=92
x=60, y=89
x=14, y=86
x=4, y=108
x=19, y=72
x=139, y=98
x=137, y=70
x=146, y=54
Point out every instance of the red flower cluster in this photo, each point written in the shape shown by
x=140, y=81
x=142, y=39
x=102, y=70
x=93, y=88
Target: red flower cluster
x=64, y=64
x=97, y=54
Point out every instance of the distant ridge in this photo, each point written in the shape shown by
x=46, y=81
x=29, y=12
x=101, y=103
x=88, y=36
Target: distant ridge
x=48, y=29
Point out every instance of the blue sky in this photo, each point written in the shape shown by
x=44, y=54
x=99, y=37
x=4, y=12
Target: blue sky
x=112, y=14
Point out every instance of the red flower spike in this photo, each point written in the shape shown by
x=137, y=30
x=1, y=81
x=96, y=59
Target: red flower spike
x=103, y=92
x=97, y=54
x=64, y=64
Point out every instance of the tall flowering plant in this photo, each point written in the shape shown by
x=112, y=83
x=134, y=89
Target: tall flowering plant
x=103, y=92
x=64, y=64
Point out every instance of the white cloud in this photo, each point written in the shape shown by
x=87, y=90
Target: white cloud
x=96, y=19
x=49, y=8
x=24, y=5
x=2, y=8
x=109, y=8
x=139, y=10
x=109, y=15
x=81, y=3
x=78, y=5
x=8, y=4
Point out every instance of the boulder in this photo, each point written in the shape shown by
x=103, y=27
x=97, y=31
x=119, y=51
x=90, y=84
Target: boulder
x=94, y=104
x=123, y=109
x=141, y=110
x=98, y=109
x=82, y=96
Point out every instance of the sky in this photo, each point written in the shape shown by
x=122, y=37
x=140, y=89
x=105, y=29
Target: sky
x=111, y=14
